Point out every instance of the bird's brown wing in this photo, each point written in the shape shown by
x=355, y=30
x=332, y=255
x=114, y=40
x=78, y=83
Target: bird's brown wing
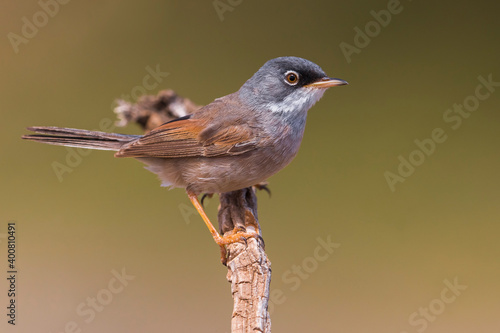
x=191, y=138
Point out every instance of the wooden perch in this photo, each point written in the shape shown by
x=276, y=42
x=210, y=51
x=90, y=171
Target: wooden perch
x=249, y=269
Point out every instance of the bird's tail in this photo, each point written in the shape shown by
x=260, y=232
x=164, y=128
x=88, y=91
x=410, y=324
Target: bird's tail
x=79, y=138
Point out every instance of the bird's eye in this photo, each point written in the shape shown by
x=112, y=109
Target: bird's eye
x=292, y=78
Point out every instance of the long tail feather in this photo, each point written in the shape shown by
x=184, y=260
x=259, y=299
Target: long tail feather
x=79, y=138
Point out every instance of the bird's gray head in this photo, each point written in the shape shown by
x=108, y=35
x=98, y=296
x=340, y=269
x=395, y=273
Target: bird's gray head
x=286, y=85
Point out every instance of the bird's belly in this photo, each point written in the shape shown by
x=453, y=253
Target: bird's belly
x=225, y=174
x=221, y=174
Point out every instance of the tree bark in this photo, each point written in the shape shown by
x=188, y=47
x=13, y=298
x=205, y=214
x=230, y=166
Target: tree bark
x=249, y=269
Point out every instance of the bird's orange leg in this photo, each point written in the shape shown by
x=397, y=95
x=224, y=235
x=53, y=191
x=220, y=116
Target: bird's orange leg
x=220, y=240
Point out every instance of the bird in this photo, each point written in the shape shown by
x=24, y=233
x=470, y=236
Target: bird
x=234, y=142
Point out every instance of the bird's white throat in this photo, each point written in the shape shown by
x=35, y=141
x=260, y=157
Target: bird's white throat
x=301, y=99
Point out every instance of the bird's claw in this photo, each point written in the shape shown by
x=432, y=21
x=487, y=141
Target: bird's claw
x=263, y=187
x=206, y=195
x=238, y=234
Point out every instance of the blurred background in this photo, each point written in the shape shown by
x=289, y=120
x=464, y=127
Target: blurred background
x=416, y=249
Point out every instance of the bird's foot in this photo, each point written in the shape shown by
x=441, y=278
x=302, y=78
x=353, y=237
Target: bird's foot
x=238, y=234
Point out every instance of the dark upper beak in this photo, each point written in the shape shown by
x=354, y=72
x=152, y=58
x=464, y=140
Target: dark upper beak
x=327, y=82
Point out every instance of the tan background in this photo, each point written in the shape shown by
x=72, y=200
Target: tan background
x=396, y=248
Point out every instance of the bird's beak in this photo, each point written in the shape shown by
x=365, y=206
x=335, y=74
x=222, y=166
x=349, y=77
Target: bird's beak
x=327, y=82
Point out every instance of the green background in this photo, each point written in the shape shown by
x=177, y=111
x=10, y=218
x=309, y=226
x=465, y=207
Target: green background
x=396, y=248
